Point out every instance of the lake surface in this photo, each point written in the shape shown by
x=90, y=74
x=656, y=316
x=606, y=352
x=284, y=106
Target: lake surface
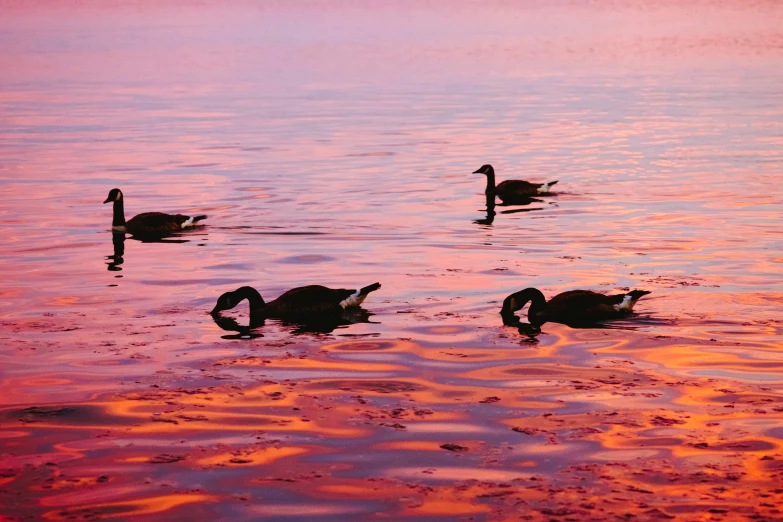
x=334, y=144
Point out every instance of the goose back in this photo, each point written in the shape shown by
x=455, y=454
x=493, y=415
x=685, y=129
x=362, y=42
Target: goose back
x=308, y=300
x=516, y=188
x=157, y=223
x=576, y=306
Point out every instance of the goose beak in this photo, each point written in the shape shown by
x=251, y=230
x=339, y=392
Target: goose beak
x=478, y=171
x=107, y=201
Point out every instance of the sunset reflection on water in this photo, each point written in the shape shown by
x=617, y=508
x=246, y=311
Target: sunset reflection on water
x=335, y=145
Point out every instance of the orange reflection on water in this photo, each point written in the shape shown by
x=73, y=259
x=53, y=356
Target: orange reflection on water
x=145, y=506
x=120, y=397
x=255, y=458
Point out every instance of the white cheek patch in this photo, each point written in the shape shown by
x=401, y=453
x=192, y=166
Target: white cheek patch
x=354, y=299
x=120, y=228
x=119, y=196
x=188, y=223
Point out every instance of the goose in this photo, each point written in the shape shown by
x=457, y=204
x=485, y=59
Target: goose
x=147, y=223
x=312, y=324
x=512, y=189
x=305, y=301
x=572, y=307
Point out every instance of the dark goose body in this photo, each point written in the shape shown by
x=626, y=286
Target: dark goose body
x=147, y=223
x=305, y=301
x=572, y=307
x=512, y=189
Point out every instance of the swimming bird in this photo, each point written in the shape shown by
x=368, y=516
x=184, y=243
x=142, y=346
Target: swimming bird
x=572, y=307
x=147, y=223
x=512, y=189
x=318, y=324
x=305, y=301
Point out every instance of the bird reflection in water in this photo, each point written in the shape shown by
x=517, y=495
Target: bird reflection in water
x=115, y=260
x=328, y=323
x=530, y=331
x=118, y=241
x=521, y=202
x=230, y=324
x=518, y=202
x=634, y=322
x=160, y=238
x=321, y=324
x=490, y=211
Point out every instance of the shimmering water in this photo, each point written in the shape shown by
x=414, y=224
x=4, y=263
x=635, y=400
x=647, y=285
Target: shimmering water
x=334, y=144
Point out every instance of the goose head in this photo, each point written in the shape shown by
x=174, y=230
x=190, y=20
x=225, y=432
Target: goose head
x=229, y=300
x=517, y=301
x=511, y=304
x=115, y=194
x=485, y=169
x=225, y=302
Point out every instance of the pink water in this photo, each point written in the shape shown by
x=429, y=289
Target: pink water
x=334, y=144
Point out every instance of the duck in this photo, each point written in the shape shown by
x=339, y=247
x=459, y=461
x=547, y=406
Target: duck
x=571, y=308
x=147, y=223
x=512, y=190
x=302, y=302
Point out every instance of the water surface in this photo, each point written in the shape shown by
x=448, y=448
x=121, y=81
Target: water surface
x=334, y=144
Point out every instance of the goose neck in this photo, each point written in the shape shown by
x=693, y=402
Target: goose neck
x=490, y=181
x=119, y=213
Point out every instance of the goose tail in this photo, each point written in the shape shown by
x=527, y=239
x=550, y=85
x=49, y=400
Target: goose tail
x=359, y=296
x=370, y=288
x=546, y=186
x=630, y=299
x=191, y=221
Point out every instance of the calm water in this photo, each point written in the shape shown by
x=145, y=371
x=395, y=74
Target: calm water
x=335, y=145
